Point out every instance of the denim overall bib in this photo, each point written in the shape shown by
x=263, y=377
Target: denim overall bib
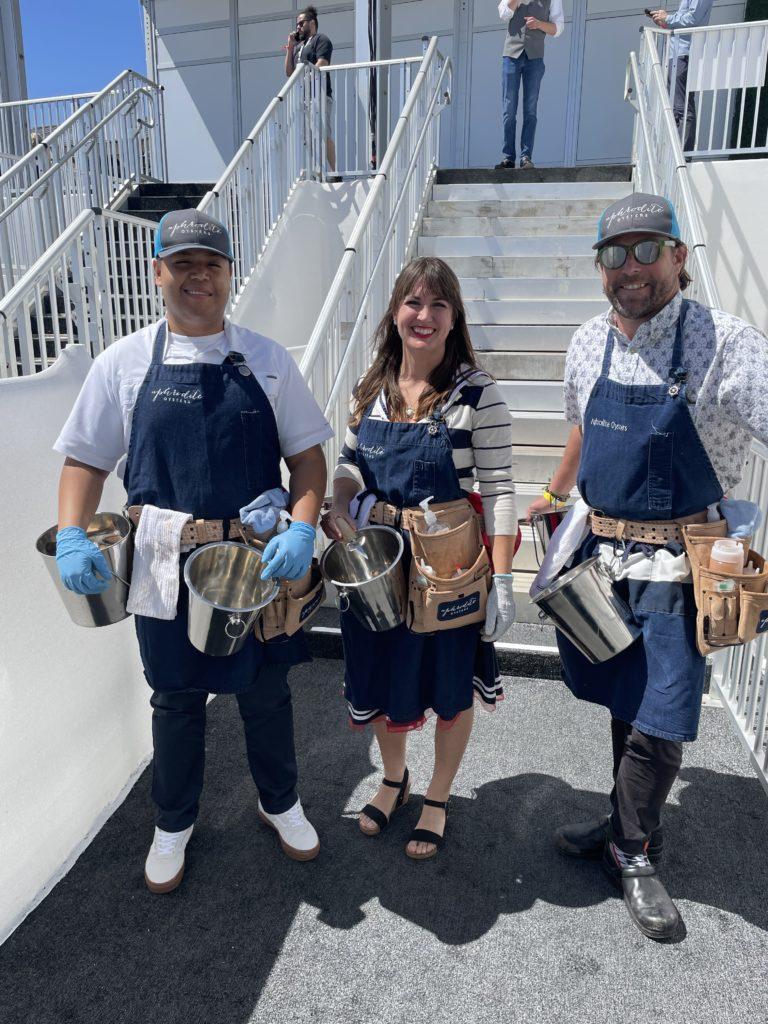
x=204, y=440
x=401, y=674
x=642, y=459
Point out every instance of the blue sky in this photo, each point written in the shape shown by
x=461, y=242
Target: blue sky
x=80, y=46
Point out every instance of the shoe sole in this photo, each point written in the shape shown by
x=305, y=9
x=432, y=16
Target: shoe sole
x=377, y=831
x=291, y=851
x=163, y=887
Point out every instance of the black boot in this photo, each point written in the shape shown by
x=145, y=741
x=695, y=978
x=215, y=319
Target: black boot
x=648, y=902
x=586, y=839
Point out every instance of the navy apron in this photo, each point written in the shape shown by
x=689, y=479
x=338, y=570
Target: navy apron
x=401, y=674
x=204, y=440
x=642, y=459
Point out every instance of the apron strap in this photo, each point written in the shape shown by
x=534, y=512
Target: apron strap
x=158, y=347
x=606, y=367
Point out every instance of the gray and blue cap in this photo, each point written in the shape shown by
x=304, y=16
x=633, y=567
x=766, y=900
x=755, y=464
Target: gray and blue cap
x=639, y=213
x=191, y=229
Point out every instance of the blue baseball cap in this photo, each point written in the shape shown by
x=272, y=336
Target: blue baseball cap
x=191, y=229
x=639, y=213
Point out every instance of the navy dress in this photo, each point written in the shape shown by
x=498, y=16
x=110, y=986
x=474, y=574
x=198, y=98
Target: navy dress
x=642, y=459
x=400, y=676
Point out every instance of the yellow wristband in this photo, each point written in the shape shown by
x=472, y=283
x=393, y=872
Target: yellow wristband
x=553, y=499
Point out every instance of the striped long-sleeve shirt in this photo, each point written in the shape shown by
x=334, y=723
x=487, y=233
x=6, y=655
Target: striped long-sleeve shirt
x=480, y=429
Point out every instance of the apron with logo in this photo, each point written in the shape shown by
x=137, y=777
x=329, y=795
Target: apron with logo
x=642, y=459
x=399, y=674
x=204, y=440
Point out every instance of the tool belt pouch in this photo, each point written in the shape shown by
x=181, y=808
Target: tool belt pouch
x=442, y=597
x=296, y=603
x=725, y=618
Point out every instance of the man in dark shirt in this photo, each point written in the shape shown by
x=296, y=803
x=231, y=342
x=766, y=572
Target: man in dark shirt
x=308, y=46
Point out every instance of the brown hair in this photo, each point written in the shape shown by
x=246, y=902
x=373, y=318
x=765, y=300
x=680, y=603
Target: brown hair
x=434, y=275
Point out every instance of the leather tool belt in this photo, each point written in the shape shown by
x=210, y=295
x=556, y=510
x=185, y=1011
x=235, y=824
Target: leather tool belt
x=384, y=514
x=658, y=531
x=201, y=531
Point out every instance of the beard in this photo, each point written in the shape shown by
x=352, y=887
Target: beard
x=641, y=305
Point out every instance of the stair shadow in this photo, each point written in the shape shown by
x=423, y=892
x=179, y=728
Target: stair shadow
x=101, y=947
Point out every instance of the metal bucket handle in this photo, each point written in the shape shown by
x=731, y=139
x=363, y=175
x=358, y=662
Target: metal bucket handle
x=343, y=596
x=234, y=620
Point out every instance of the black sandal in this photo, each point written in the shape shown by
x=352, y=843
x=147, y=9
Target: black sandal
x=425, y=835
x=379, y=817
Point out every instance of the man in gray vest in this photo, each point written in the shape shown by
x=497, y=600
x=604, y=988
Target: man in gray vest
x=528, y=21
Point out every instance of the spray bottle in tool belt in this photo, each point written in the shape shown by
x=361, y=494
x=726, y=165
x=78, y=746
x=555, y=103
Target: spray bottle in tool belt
x=431, y=524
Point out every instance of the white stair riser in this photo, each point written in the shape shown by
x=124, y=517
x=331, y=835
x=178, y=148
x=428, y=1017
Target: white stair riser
x=520, y=338
x=539, y=428
x=544, y=289
x=533, y=395
x=534, y=191
x=532, y=465
x=516, y=311
x=517, y=226
x=518, y=208
x=505, y=245
x=578, y=267
x=524, y=365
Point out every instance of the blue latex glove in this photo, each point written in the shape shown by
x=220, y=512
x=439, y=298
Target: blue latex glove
x=82, y=567
x=262, y=513
x=289, y=554
x=742, y=517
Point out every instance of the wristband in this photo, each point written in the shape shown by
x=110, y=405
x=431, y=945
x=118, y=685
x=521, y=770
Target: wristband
x=552, y=498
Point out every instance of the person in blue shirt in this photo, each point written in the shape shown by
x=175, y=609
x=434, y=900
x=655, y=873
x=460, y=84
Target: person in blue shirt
x=690, y=14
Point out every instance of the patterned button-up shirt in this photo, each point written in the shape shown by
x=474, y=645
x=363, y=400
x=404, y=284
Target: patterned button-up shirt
x=727, y=385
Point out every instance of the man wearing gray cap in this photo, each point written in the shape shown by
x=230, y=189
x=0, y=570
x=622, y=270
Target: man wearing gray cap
x=665, y=396
x=197, y=414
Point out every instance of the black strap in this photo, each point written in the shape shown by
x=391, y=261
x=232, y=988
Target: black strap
x=436, y=803
x=375, y=815
x=423, y=835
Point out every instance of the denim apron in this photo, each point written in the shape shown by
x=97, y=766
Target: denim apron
x=204, y=440
x=400, y=674
x=642, y=459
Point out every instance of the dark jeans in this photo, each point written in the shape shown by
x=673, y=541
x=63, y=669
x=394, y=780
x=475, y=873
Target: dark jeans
x=644, y=768
x=531, y=72
x=687, y=130
x=178, y=731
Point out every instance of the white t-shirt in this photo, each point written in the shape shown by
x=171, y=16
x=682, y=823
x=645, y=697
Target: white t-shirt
x=98, y=429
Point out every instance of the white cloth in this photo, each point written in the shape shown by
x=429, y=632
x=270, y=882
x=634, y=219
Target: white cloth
x=154, y=588
x=563, y=544
x=360, y=507
x=98, y=429
x=500, y=610
x=555, y=14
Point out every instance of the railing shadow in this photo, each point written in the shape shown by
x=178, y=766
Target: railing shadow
x=101, y=947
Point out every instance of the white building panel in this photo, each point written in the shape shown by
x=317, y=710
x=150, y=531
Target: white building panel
x=184, y=13
x=198, y=103
x=176, y=48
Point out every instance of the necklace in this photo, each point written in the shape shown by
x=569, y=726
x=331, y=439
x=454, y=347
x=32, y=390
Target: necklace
x=409, y=412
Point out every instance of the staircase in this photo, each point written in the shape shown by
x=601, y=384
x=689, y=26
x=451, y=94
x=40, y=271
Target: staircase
x=154, y=198
x=520, y=243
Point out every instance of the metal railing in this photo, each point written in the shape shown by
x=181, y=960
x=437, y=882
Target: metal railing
x=25, y=123
x=659, y=166
x=338, y=350
x=91, y=287
x=721, y=111
x=107, y=147
x=742, y=677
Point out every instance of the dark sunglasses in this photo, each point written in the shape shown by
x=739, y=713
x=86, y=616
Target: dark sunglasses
x=646, y=251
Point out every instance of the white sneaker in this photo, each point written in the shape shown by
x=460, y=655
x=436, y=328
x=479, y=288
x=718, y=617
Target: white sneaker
x=297, y=836
x=164, y=868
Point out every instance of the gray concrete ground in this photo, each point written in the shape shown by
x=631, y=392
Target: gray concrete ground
x=496, y=928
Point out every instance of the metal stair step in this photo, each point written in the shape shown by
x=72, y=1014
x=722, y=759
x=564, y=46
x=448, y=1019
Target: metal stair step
x=520, y=311
x=533, y=395
x=539, y=428
x=535, y=464
x=506, y=245
x=521, y=266
x=542, y=289
x=608, y=191
x=516, y=366
x=520, y=337
x=519, y=226
x=517, y=208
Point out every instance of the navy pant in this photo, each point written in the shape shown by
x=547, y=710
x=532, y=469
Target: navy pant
x=178, y=731
x=683, y=112
x=531, y=73
x=644, y=768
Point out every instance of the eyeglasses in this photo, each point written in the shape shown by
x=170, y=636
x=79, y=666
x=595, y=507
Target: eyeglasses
x=646, y=251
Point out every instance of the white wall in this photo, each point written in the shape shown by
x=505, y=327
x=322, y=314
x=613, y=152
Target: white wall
x=730, y=196
x=291, y=282
x=74, y=725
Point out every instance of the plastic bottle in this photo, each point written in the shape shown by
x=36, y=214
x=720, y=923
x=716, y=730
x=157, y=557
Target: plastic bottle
x=431, y=525
x=727, y=556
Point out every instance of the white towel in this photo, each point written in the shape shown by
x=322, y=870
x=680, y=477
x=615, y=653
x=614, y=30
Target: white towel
x=563, y=544
x=155, y=580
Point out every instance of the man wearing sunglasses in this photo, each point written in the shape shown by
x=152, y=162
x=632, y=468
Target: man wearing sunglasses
x=308, y=46
x=665, y=396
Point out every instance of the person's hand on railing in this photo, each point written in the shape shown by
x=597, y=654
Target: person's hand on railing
x=660, y=17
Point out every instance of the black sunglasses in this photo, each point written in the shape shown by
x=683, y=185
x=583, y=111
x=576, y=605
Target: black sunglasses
x=646, y=251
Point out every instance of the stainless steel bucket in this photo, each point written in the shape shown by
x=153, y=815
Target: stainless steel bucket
x=226, y=594
x=584, y=606
x=112, y=533
x=368, y=573
x=543, y=526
